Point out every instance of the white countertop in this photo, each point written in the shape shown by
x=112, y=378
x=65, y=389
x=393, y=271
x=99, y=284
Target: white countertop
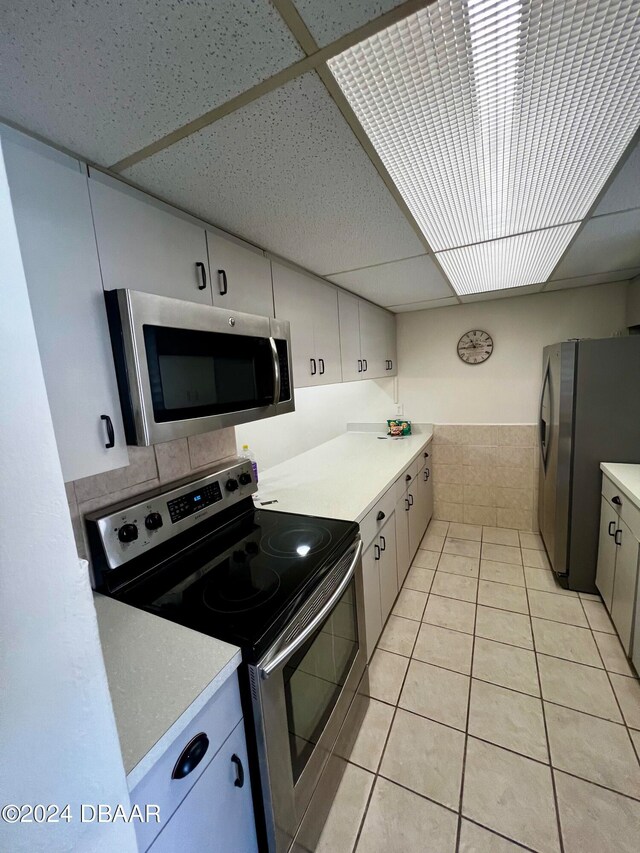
x=341, y=478
x=160, y=676
x=626, y=477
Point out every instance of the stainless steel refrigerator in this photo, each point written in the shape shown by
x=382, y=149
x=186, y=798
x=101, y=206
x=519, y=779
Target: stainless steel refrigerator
x=589, y=413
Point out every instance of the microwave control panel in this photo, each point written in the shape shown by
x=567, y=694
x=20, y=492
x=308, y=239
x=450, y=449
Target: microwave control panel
x=125, y=531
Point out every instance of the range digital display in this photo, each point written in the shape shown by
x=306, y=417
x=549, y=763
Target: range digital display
x=186, y=505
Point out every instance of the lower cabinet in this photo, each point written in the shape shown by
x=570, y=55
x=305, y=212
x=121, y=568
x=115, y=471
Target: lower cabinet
x=217, y=813
x=402, y=538
x=624, y=583
x=607, y=552
x=388, y=567
x=380, y=575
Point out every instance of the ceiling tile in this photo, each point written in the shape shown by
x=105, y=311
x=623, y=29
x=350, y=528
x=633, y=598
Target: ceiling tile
x=501, y=294
x=606, y=243
x=588, y=280
x=331, y=19
x=286, y=173
x=423, y=306
x=410, y=280
x=624, y=192
x=104, y=78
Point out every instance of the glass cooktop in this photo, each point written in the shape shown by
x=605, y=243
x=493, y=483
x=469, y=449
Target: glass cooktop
x=242, y=582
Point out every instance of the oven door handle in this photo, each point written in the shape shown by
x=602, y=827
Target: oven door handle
x=276, y=370
x=269, y=668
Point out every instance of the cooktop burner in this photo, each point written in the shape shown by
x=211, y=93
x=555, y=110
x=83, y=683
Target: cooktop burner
x=301, y=540
x=239, y=586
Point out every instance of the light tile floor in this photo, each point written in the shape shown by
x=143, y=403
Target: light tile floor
x=504, y=716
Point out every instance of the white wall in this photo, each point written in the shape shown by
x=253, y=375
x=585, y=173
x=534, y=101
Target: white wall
x=436, y=387
x=321, y=414
x=58, y=741
x=633, y=302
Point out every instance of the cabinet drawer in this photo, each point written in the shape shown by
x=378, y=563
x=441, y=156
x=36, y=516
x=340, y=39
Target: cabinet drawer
x=611, y=491
x=630, y=514
x=402, y=484
x=370, y=525
x=217, y=719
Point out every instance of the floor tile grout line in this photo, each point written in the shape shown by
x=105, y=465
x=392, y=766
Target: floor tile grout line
x=546, y=734
x=466, y=728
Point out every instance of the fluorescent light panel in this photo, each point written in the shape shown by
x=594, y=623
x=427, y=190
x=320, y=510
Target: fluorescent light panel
x=498, y=117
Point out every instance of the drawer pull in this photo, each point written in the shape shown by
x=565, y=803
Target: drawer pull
x=380, y=516
x=407, y=505
x=376, y=552
x=383, y=546
x=410, y=500
x=239, y=782
x=191, y=756
x=615, y=538
x=611, y=524
x=616, y=500
x=408, y=478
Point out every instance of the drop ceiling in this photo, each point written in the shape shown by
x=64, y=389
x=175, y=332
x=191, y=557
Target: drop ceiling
x=230, y=111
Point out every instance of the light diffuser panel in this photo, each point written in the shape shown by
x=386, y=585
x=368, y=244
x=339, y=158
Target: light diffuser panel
x=499, y=117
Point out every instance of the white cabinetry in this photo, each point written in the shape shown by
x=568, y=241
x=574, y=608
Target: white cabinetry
x=618, y=562
x=388, y=567
x=241, y=276
x=312, y=309
x=403, y=557
x=202, y=785
x=420, y=502
x=380, y=577
x=143, y=245
x=367, y=338
x=53, y=218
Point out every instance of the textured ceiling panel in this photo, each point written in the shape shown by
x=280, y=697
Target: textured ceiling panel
x=410, y=280
x=501, y=294
x=329, y=19
x=588, y=280
x=624, y=192
x=605, y=244
x=422, y=306
x=105, y=78
x=286, y=173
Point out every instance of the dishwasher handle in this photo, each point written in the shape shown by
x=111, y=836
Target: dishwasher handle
x=266, y=669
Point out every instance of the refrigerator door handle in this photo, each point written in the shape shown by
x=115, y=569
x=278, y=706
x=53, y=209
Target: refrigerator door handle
x=542, y=424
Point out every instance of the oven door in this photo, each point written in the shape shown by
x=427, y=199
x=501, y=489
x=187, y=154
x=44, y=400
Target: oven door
x=302, y=690
x=185, y=368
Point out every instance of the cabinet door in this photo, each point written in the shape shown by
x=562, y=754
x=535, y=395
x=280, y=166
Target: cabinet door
x=373, y=334
x=293, y=299
x=624, y=583
x=53, y=219
x=402, y=539
x=371, y=583
x=216, y=814
x=143, y=246
x=606, y=552
x=326, y=333
x=390, y=349
x=241, y=276
x=349, y=336
x=388, y=567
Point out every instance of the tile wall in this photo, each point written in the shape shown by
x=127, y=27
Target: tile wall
x=486, y=474
x=148, y=468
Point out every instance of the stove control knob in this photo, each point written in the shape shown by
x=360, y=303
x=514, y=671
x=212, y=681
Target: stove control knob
x=153, y=521
x=245, y=479
x=128, y=533
x=231, y=485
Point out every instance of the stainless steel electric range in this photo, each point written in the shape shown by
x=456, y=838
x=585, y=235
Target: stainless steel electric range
x=285, y=588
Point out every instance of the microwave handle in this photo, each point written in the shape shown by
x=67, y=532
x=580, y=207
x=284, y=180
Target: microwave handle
x=267, y=669
x=276, y=370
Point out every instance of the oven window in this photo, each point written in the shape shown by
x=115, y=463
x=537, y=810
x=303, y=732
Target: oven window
x=194, y=374
x=314, y=677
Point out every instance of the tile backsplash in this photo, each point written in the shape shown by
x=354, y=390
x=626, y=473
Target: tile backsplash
x=486, y=474
x=148, y=468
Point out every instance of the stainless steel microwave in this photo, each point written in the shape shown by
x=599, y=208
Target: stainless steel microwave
x=185, y=368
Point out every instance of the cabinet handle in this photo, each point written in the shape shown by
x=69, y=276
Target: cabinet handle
x=426, y=474
x=359, y=365
x=407, y=505
x=615, y=538
x=426, y=455
x=383, y=547
x=313, y=366
x=407, y=479
x=191, y=756
x=616, y=500
x=380, y=516
x=364, y=361
x=321, y=363
x=410, y=500
x=239, y=782
x=390, y=364
x=376, y=552
x=611, y=524
x=203, y=275
x=225, y=287
x=110, y=433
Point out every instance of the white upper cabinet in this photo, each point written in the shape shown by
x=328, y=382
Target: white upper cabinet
x=312, y=309
x=53, y=218
x=241, y=276
x=367, y=338
x=144, y=246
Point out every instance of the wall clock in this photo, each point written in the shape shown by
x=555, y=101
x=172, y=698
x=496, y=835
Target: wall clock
x=475, y=346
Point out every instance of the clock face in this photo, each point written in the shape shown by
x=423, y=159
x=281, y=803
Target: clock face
x=475, y=346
